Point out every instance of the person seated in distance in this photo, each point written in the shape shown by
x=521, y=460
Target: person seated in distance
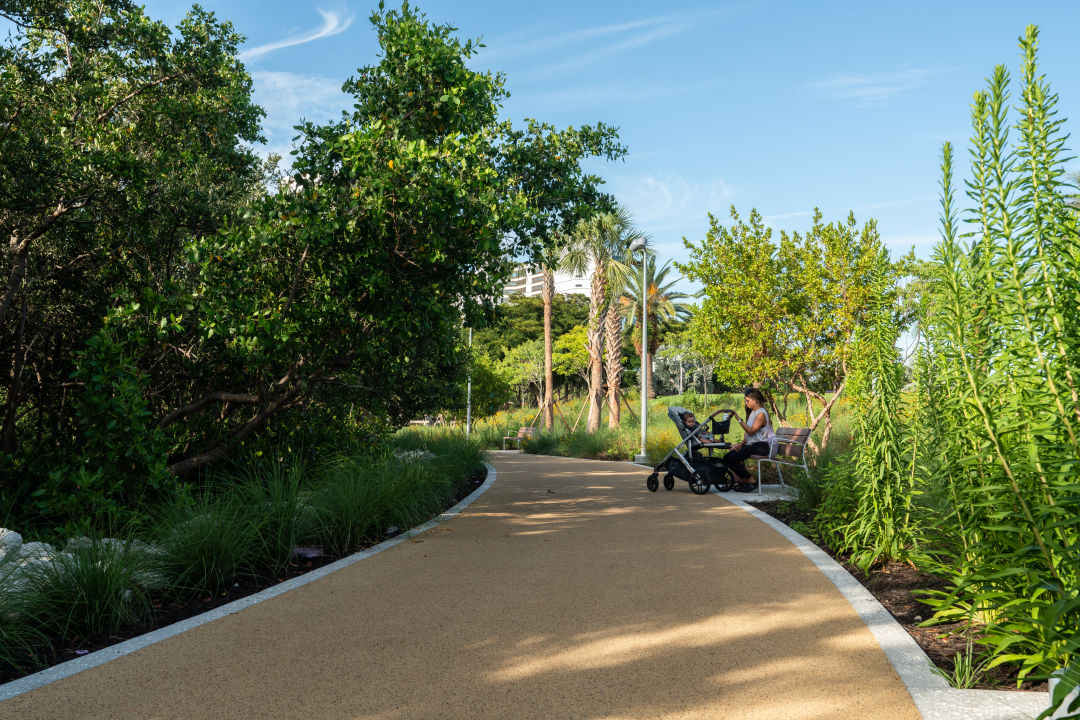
x=757, y=441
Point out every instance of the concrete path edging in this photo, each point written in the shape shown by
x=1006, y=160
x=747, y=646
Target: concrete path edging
x=100, y=657
x=933, y=695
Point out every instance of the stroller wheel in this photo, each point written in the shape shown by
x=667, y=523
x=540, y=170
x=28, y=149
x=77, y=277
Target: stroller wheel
x=669, y=481
x=652, y=483
x=725, y=480
x=699, y=485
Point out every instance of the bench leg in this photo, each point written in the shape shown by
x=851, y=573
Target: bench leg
x=759, y=490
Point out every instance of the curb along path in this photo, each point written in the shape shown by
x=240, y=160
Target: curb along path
x=566, y=590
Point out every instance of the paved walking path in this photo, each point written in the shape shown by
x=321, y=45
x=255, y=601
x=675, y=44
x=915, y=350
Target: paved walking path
x=566, y=591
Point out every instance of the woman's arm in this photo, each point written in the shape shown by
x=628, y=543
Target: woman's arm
x=759, y=422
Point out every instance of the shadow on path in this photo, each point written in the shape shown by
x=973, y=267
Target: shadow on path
x=566, y=591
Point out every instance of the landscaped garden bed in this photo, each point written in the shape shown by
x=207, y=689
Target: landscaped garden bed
x=39, y=632
x=897, y=586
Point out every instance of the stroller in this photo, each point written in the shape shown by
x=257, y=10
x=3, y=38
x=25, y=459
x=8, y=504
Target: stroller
x=685, y=462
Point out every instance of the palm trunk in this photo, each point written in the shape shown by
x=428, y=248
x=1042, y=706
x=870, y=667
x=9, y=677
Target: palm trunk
x=596, y=337
x=549, y=399
x=614, y=365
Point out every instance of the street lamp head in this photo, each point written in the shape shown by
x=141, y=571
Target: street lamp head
x=638, y=244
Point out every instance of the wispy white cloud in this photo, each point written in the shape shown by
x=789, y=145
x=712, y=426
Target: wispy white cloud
x=667, y=206
x=575, y=49
x=290, y=97
x=870, y=89
x=777, y=219
x=783, y=220
x=333, y=24
x=607, y=95
x=923, y=243
x=577, y=62
x=546, y=43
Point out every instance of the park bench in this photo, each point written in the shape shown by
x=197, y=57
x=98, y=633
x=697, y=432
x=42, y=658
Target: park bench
x=522, y=433
x=790, y=451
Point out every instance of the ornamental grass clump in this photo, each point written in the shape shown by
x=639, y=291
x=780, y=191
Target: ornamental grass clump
x=351, y=503
x=206, y=540
x=21, y=640
x=88, y=592
x=277, y=508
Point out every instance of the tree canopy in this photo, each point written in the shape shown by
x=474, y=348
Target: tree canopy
x=783, y=315
x=171, y=307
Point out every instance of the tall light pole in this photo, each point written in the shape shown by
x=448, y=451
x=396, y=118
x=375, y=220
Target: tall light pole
x=642, y=245
x=468, y=392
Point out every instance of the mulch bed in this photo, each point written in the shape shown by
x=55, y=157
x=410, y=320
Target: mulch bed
x=896, y=587
x=170, y=610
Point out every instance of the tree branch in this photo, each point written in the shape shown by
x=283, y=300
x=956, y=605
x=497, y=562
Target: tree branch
x=197, y=461
x=107, y=113
x=214, y=397
x=19, y=248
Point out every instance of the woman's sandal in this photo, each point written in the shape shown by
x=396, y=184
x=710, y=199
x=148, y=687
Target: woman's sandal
x=746, y=487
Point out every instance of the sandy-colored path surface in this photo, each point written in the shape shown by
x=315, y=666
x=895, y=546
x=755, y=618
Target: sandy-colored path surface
x=566, y=591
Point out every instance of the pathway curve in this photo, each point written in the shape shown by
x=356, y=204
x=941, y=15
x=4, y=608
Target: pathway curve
x=566, y=591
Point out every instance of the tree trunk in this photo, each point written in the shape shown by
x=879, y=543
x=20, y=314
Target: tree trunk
x=596, y=338
x=549, y=376
x=19, y=251
x=614, y=365
x=814, y=419
x=18, y=361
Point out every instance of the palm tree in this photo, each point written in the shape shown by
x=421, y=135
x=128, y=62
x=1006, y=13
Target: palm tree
x=599, y=244
x=548, y=295
x=665, y=306
x=613, y=322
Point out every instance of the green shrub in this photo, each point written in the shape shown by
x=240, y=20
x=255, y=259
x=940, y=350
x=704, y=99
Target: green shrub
x=122, y=458
x=546, y=443
x=456, y=457
x=594, y=445
x=691, y=400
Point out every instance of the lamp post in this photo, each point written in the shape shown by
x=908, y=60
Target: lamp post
x=468, y=392
x=642, y=245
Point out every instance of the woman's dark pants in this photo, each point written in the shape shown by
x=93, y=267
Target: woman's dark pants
x=735, y=459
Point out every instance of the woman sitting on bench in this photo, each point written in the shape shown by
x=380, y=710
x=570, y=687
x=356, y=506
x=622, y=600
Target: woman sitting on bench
x=758, y=441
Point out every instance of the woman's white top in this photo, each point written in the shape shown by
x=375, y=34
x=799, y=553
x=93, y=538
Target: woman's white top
x=765, y=434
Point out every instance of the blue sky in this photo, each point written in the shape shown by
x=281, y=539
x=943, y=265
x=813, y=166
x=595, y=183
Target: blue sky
x=782, y=105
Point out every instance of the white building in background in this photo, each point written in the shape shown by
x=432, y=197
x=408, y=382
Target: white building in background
x=530, y=282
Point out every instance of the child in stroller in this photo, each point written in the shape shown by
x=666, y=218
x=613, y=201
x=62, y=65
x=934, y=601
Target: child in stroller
x=688, y=459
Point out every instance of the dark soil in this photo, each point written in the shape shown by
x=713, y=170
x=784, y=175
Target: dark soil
x=169, y=610
x=896, y=586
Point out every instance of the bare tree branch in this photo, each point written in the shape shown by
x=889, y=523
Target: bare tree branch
x=214, y=397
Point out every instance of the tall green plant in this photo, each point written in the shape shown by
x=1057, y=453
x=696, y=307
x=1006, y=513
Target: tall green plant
x=1001, y=330
x=881, y=465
